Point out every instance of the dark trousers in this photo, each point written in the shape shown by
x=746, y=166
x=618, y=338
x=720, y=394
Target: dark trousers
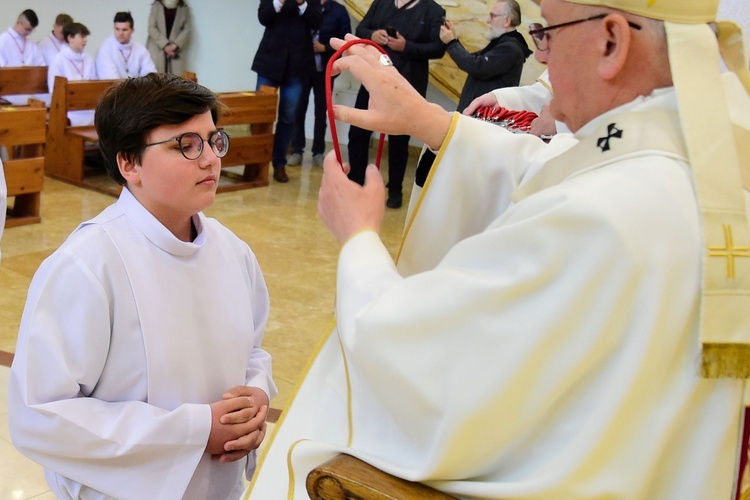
x=359, y=149
x=318, y=86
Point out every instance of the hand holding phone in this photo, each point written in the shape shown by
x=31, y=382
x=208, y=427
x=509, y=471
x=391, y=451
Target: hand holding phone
x=391, y=31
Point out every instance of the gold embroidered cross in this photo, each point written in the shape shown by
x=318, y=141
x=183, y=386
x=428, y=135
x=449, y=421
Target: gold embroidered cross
x=728, y=250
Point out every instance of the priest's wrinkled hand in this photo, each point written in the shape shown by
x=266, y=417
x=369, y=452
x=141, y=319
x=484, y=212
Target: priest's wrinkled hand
x=484, y=100
x=395, y=107
x=344, y=206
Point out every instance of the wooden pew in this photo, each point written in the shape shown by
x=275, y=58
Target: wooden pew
x=65, y=143
x=23, y=80
x=258, y=111
x=23, y=126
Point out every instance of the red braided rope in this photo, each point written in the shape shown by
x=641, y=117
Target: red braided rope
x=510, y=119
x=329, y=100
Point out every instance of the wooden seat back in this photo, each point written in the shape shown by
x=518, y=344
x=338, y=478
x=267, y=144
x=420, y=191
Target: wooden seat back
x=23, y=126
x=256, y=109
x=23, y=80
x=65, y=144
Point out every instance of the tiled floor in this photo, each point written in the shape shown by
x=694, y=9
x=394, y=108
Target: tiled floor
x=279, y=222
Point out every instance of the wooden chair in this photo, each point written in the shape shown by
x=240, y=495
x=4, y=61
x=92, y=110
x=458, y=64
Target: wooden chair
x=190, y=75
x=257, y=110
x=24, y=176
x=65, y=144
x=345, y=477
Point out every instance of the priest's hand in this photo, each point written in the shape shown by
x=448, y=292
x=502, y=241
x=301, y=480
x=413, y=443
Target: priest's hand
x=485, y=100
x=395, y=107
x=344, y=206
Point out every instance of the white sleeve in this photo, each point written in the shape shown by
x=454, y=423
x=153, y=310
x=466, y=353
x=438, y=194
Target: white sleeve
x=3, y=201
x=111, y=446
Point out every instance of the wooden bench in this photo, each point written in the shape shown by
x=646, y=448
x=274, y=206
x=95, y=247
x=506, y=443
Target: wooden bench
x=23, y=80
x=22, y=126
x=65, y=143
x=257, y=111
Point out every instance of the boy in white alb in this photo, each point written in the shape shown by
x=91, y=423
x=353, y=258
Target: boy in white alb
x=139, y=371
x=120, y=56
x=16, y=49
x=74, y=64
x=53, y=43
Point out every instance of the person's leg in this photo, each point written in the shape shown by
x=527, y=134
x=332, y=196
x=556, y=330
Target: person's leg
x=319, y=134
x=359, y=142
x=398, y=156
x=298, y=133
x=289, y=95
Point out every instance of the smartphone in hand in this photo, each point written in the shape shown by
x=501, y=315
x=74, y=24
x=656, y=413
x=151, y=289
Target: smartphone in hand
x=391, y=31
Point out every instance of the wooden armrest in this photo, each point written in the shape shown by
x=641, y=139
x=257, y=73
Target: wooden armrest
x=345, y=477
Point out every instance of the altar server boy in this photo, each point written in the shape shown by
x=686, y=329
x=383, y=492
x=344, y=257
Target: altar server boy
x=139, y=371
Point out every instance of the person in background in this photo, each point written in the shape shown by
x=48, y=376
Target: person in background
x=285, y=59
x=16, y=49
x=497, y=65
x=336, y=23
x=169, y=27
x=120, y=56
x=409, y=31
x=74, y=64
x=53, y=43
x=139, y=371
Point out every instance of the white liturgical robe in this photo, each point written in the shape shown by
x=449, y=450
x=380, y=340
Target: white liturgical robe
x=127, y=336
x=74, y=66
x=50, y=46
x=540, y=348
x=16, y=50
x=3, y=203
x=115, y=60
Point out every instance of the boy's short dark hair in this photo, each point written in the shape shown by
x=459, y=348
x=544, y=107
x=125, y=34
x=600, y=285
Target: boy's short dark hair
x=63, y=20
x=130, y=110
x=124, y=17
x=31, y=17
x=73, y=29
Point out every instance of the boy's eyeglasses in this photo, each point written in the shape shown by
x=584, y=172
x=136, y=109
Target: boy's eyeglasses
x=191, y=144
x=540, y=36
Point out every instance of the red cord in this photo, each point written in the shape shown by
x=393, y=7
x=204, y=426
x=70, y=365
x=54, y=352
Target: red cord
x=329, y=100
x=512, y=120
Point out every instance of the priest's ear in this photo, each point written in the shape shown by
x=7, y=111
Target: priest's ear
x=129, y=169
x=615, y=46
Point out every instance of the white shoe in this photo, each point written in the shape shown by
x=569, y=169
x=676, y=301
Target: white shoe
x=318, y=159
x=295, y=159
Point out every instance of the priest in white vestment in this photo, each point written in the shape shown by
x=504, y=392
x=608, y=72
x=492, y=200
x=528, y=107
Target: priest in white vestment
x=562, y=321
x=139, y=372
x=119, y=56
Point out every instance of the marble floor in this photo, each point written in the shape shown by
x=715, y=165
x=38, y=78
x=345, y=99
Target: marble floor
x=279, y=222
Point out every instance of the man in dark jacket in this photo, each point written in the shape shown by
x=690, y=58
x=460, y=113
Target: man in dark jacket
x=285, y=59
x=336, y=23
x=497, y=65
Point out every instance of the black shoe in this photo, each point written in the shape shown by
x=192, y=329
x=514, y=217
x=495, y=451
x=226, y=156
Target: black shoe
x=279, y=175
x=394, y=200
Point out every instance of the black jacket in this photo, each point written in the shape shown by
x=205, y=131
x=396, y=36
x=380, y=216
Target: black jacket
x=420, y=25
x=497, y=65
x=286, y=47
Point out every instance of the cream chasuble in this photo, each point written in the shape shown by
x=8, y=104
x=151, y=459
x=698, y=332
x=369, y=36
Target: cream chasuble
x=547, y=348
